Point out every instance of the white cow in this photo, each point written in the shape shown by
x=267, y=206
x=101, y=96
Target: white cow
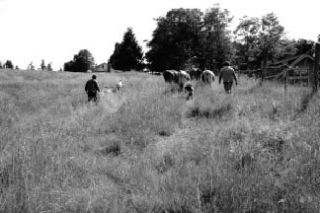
x=207, y=77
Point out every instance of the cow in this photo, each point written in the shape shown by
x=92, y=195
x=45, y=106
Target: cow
x=207, y=77
x=195, y=73
x=183, y=77
x=169, y=75
x=177, y=77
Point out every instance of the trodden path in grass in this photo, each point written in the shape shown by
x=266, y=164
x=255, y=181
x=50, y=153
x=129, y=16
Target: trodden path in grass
x=181, y=139
x=111, y=100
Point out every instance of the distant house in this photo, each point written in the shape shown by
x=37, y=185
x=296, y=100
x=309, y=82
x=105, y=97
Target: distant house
x=303, y=61
x=301, y=67
x=104, y=67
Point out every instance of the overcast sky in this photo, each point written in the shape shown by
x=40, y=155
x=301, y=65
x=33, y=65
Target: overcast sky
x=55, y=30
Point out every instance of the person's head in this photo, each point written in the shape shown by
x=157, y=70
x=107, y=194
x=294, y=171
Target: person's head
x=94, y=77
x=319, y=38
x=226, y=64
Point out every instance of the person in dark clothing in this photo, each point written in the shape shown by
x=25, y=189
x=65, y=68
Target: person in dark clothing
x=227, y=74
x=92, y=88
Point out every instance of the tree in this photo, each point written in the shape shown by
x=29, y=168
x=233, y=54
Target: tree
x=8, y=64
x=114, y=58
x=68, y=66
x=31, y=66
x=175, y=40
x=187, y=37
x=49, y=67
x=43, y=65
x=215, y=38
x=269, y=37
x=128, y=54
x=260, y=40
x=82, y=62
x=247, y=38
x=304, y=46
x=285, y=49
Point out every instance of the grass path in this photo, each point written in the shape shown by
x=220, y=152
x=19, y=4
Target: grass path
x=111, y=100
x=182, y=137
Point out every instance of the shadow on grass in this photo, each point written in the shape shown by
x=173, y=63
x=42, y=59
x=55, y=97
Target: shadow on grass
x=305, y=101
x=209, y=112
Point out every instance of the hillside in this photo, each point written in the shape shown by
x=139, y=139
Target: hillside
x=146, y=149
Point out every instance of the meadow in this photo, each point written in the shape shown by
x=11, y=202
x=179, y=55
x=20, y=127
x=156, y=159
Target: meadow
x=147, y=149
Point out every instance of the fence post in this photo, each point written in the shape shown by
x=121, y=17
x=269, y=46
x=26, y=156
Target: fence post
x=262, y=76
x=316, y=66
x=309, y=70
x=300, y=79
x=285, y=80
x=263, y=67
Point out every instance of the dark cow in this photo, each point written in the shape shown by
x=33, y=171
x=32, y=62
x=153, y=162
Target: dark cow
x=195, y=73
x=169, y=75
x=207, y=77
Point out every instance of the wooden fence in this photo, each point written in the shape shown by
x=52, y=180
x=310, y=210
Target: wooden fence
x=301, y=76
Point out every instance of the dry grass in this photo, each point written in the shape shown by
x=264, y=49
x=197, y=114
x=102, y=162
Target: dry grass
x=145, y=149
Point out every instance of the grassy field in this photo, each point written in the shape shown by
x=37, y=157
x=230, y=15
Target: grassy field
x=146, y=149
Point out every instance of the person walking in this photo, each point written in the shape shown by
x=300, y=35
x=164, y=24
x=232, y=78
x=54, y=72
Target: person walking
x=227, y=74
x=92, y=88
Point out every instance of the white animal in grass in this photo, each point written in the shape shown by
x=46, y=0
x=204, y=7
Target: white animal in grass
x=207, y=77
x=119, y=85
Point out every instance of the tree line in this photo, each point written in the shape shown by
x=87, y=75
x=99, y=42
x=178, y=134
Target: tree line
x=9, y=65
x=186, y=38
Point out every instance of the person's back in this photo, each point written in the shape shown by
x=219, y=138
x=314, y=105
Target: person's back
x=227, y=75
x=92, y=88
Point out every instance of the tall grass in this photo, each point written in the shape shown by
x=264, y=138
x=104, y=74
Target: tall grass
x=144, y=149
x=146, y=114
x=246, y=158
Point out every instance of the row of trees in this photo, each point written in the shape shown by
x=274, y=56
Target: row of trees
x=82, y=62
x=8, y=64
x=259, y=40
x=127, y=55
x=190, y=37
x=45, y=67
x=42, y=67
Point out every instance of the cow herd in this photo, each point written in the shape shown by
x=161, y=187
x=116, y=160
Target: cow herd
x=180, y=78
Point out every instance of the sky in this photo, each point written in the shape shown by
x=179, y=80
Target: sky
x=55, y=30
